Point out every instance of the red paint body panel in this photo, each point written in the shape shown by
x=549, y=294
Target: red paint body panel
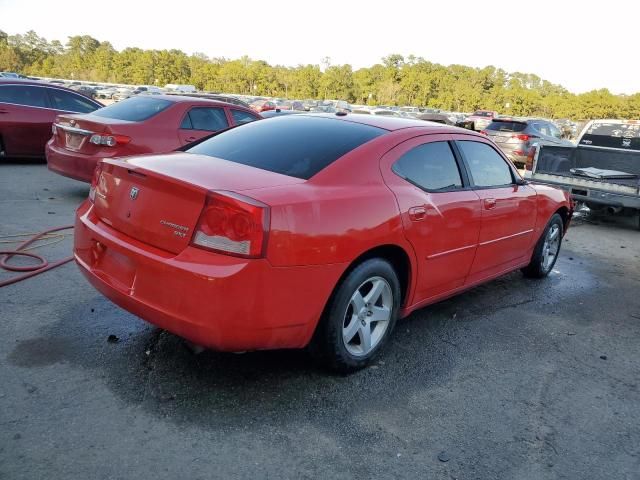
x=317, y=228
x=78, y=158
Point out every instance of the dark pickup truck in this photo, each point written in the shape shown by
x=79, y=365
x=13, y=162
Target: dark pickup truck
x=602, y=170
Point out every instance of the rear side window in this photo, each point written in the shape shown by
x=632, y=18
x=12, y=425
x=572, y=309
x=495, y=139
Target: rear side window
x=487, y=167
x=613, y=135
x=241, y=117
x=431, y=166
x=205, y=118
x=507, y=126
x=294, y=145
x=61, y=100
x=134, y=109
x=24, y=95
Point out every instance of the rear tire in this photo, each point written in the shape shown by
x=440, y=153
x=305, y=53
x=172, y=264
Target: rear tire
x=547, y=249
x=359, y=317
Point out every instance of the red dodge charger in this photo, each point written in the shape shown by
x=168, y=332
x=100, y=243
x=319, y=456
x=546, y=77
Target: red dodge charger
x=140, y=124
x=312, y=230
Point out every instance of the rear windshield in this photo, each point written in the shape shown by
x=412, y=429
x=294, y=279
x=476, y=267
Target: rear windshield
x=507, y=126
x=135, y=109
x=613, y=135
x=295, y=145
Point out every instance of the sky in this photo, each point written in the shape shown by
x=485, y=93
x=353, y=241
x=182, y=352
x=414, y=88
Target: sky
x=566, y=42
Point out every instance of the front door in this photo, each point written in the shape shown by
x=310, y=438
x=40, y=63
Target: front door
x=508, y=210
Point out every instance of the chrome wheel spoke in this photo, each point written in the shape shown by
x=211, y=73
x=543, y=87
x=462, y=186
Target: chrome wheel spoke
x=365, y=338
x=380, y=314
x=351, y=329
x=376, y=290
x=357, y=302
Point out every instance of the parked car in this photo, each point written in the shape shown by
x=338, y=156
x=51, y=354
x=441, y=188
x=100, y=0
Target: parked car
x=263, y=105
x=122, y=93
x=180, y=88
x=237, y=245
x=516, y=137
x=27, y=110
x=106, y=92
x=338, y=105
x=140, y=124
x=10, y=75
x=602, y=170
x=480, y=119
x=85, y=90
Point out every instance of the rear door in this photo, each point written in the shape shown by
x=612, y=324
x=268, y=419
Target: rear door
x=25, y=119
x=201, y=121
x=508, y=209
x=440, y=212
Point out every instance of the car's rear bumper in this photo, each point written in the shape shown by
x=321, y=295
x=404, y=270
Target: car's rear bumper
x=70, y=164
x=218, y=301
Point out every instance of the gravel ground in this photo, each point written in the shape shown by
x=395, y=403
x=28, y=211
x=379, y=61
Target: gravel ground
x=516, y=379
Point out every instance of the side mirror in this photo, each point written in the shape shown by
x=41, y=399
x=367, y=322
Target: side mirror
x=521, y=181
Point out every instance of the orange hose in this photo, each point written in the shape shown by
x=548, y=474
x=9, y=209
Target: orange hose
x=31, y=270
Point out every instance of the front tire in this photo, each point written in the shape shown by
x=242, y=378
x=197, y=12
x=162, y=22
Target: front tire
x=547, y=249
x=359, y=318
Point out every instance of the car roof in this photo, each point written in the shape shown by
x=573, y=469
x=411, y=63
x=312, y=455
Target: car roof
x=190, y=99
x=389, y=123
x=24, y=81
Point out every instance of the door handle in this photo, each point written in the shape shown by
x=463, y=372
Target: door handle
x=3, y=111
x=191, y=139
x=489, y=203
x=417, y=213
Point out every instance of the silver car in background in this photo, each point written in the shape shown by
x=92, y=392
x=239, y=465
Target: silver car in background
x=516, y=137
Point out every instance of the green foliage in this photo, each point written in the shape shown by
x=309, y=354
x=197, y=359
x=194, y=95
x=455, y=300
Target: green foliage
x=396, y=81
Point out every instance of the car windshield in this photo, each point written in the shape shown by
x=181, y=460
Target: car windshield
x=291, y=145
x=501, y=126
x=624, y=135
x=134, y=109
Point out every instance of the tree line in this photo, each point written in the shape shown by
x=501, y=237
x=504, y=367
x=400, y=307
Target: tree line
x=395, y=81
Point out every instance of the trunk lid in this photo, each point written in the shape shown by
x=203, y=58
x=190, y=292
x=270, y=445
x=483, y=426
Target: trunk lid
x=157, y=199
x=74, y=131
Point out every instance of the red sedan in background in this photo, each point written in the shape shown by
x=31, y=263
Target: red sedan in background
x=263, y=105
x=27, y=110
x=140, y=124
x=239, y=243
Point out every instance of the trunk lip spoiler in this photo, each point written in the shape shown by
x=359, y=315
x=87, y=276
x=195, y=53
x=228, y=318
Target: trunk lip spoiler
x=71, y=129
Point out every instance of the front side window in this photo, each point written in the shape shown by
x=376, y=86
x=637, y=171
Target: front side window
x=61, y=100
x=486, y=166
x=27, y=95
x=431, y=166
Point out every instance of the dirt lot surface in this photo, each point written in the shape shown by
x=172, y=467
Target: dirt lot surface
x=516, y=379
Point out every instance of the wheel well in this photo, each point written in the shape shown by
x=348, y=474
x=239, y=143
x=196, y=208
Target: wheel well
x=396, y=256
x=564, y=213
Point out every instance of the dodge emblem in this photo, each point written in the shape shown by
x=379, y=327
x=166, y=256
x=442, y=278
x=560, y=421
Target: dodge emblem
x=133, y=193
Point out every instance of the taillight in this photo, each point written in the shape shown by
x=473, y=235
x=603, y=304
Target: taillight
x=233, y=224
x=523, y=137
x=94, y=181
x=484, y=132
x=109, y=140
